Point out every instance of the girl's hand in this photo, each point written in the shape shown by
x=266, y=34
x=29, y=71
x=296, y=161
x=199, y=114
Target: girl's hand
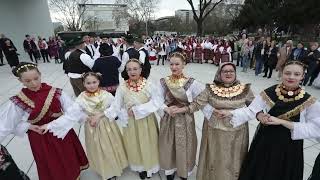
x=44, y=128
x=36, y=129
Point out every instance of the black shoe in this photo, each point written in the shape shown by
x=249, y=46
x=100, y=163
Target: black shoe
x=310, y=84
x=183, y=178
x=170, y=177
x=143, y=175
x=264, y=76
x=111, y=178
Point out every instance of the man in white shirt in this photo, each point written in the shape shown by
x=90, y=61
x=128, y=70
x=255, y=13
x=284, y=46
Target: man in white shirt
x=78, y=62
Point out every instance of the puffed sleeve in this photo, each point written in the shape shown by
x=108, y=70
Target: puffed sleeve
x=250, y=97
x=143, y=110
x=200, y=101
x=73, y=114
x=242, y=115
x=13, y=120
x=310, y=126
x=194, y=90
x=117, y=107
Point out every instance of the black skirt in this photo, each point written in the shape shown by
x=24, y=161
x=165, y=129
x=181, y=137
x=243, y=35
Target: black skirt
x=316, y=170
x=8, y=168
x=273, y=155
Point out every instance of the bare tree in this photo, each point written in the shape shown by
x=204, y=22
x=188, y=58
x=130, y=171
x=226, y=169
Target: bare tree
x=205, y=8
x=71, y=13
x=142, y=10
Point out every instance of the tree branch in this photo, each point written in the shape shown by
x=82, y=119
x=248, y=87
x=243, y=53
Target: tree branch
x=215, y=4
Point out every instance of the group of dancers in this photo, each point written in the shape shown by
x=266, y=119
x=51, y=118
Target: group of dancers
x=122, y=131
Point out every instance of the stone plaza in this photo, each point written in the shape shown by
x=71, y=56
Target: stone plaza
x=54, y=75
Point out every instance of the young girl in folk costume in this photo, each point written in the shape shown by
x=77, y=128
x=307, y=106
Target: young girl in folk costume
x=135, y=103
x=103, y=139
x=223, y=147
x=35, y=105
x=177, y=139
x=287, y=115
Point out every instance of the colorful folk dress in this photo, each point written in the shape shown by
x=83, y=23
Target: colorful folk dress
x=104, y=144
x=223, y=147
x=276, y=152
x=51, y=154
x=140, y=131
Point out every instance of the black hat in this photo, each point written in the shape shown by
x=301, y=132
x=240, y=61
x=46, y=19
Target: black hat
x=92, y=34
x=72, y=39
x=105, y=49
x=129, y=39
x=104, y=36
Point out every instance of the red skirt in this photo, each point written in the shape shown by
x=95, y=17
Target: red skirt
x=56, y=158
x=198, y=54
x=152, y=58
x=207, y=54
x=225, y=58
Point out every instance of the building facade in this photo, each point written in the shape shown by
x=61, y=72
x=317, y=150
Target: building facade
x=19, y=18
x=102, y=17
x=185, y=15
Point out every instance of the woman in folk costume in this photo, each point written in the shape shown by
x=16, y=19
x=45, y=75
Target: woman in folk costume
x=226, y=52
x=198, y=51
x=177, y=138
x=207, y=50
x=35, y=105
x=103, y=139
x=287, y=115
x=188, y=51
x=135, y=103
x=223, y=147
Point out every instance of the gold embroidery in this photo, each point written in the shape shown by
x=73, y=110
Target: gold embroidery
x=298, y=109
x=176, y=82
x=25, y=99
x=45, y=107
x=227, y=92
x=279, y=90
x=267, y=99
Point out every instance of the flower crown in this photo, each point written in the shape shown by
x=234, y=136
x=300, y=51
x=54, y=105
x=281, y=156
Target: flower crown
x=25, y=66
x=83, y=75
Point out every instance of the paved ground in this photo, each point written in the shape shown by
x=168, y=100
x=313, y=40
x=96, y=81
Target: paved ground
x=53, y=74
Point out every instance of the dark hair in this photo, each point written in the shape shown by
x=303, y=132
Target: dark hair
x=180, y=55
x=27, y=35
x=97, y=75
x=105, y=49
x=304, y=66
x=24, y=67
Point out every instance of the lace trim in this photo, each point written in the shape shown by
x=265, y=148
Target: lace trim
x=286, y=116
x=17, y=101
x=45, y=107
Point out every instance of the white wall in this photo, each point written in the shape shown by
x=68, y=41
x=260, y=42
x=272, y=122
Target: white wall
x=18, y=18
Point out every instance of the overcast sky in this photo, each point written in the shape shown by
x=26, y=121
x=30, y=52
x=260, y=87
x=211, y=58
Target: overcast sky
x=165, y=8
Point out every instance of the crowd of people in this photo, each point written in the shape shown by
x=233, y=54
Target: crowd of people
x=35, y=48
x=121, y=122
